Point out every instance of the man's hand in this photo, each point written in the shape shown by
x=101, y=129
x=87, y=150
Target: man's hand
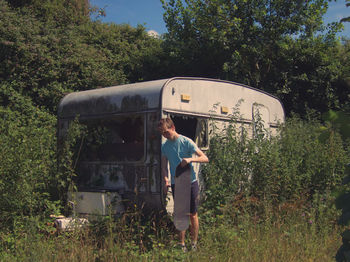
x=166, y=180
x=167, y=185
x=165, y=174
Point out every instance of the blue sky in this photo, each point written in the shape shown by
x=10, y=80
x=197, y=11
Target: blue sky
x=149, y=13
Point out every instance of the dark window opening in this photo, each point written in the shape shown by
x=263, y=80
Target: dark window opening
x=115, y=139
x=185, y=126
x=194, y=128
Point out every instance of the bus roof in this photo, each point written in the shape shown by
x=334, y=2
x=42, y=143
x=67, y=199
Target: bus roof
x=179, y=94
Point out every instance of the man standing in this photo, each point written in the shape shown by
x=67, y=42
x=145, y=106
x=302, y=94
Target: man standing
x=179, y=149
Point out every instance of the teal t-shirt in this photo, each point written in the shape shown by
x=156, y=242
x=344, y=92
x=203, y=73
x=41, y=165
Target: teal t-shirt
x=175, y=151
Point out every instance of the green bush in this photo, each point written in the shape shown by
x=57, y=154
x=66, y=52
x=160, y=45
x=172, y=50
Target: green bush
x=297, y=162
x=27, y=165
x=48, y=49
x=292, y=166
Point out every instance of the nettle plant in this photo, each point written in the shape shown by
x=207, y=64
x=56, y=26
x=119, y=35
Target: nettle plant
x=290, y=166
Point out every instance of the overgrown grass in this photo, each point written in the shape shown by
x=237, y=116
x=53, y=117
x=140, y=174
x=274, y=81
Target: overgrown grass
x=267, y=199
x=287, y=234
x=269, y=242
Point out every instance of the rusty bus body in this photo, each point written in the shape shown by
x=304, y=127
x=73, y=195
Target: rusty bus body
x=120, y=156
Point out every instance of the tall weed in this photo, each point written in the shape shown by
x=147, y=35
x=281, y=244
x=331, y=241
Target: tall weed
x=292, y=166
x=27, y=165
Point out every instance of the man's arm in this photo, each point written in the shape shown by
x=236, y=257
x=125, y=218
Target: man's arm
x=201, y=158
x=165, y=170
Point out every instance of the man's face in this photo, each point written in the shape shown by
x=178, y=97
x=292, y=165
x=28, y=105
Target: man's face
x=168, y=133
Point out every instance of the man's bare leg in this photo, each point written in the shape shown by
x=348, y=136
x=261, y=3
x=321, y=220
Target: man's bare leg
x=182, y=237
x=194, y=227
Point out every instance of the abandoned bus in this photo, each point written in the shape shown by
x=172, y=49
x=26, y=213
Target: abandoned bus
x=119, y=158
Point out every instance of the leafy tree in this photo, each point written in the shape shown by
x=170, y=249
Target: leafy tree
x=44, y=58
x=346, y=19
x=27, y=166
x=62, y=11
x=274, y=45
x=47, y=49
x=310, y=75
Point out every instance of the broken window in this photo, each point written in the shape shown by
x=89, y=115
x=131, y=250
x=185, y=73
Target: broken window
x=192, y=127
x=119, y=138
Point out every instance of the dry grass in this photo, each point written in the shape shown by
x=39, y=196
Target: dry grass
x=292, y=241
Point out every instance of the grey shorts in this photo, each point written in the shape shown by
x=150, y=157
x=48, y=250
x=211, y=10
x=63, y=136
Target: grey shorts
x=194, y=196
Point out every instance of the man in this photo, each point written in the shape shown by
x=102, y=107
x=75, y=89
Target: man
x=179, y=149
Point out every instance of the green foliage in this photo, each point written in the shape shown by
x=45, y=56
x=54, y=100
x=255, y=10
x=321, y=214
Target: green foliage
x=310, y=75
x=68, y=151
x=45, y=60
x=346, y=19
x=48, y=49
x=340, y=121
x=343, y=203
x=293, y=238
x=27, y=166
x=61, y=11
x=273, y=45
x=293, y=165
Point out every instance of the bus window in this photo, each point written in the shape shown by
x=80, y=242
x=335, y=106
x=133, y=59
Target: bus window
x=116, y=139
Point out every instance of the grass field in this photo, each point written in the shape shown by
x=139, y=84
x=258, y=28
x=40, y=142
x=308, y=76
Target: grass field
x=293, y=238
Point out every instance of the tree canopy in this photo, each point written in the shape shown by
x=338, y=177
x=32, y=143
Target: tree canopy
x=278, y=46
x=43, y=57
x=346, y=19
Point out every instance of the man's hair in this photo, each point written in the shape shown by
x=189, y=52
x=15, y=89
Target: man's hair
x=165, y=122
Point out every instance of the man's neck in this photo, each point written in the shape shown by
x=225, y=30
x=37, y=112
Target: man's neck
x=176, y=136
